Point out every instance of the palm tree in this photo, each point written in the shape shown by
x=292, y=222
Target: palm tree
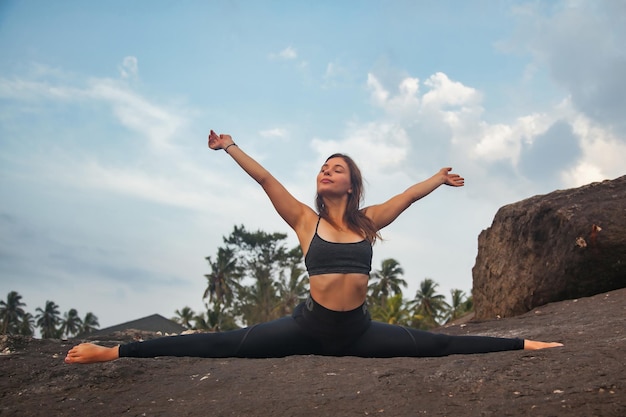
x=184, y=317
x=90, y=323
x=458, y=307
x=394, y=312
x=293, y=290
x=223, y=277
x=71, y=324
x=47, y=320
x=215, y=320
x=201, y=322
x=27, y=325
x=429, y=306
x=262, y=257
x=386, y=282
x=257, y=303
x=11, y=313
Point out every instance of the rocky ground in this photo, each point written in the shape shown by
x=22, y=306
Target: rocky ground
x=586, y=378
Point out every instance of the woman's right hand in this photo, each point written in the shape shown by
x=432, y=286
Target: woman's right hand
x=217, y=142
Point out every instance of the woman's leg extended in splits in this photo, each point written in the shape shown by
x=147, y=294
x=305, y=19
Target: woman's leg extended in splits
x=386, y=340
x=277, y=338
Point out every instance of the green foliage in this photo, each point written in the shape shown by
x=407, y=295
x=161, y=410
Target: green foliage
x=293, y=284
x=223, y=278
x=262, y=258
x=184, y=316
x=425, y=311
x=460, y=306
x=27, y=325
x=71, y=324
x=90, y=323
x=428, y=306
x=14, y=320
x=12, y=313
x=394, y=311
x=386, y=282
x=254, y=278
x=47, y=320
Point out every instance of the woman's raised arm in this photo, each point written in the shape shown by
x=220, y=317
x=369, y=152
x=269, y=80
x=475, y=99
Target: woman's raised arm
x=287, y=206
x=384, y=214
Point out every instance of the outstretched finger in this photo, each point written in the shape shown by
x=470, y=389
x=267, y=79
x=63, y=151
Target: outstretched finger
x=212, y=138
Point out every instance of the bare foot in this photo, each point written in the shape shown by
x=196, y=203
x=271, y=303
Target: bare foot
x=90, y=353
x=534, y=345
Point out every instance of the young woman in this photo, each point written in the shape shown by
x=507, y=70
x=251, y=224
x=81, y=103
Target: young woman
x=337, y=243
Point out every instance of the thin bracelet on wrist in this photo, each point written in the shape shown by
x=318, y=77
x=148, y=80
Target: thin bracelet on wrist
x=226, y=148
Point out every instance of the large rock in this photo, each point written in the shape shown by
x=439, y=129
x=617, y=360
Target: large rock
x=563, y=245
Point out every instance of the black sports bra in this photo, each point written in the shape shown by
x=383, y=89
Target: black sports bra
x=326, y=257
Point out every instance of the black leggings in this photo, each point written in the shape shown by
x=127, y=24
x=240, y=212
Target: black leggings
x=315, y=330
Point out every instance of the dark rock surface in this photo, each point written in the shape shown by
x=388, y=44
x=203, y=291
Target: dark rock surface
x=586, y=377
x=553, y=247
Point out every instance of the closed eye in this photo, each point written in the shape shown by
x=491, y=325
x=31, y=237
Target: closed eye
x=336, y=168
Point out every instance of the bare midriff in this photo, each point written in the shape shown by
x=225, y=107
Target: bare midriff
x=339, y=292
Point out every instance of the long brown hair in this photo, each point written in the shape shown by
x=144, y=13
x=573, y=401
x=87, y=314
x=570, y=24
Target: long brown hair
x=355, y=218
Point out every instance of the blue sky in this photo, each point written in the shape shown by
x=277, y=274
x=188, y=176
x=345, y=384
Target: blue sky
x=110, y=200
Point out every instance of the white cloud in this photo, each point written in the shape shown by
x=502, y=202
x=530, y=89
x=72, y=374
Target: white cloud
x=402, y=106
x=503, y=141
x=157, y=123
x=379, y=94
x=377, y=147
x=147, y=185
x=289, y=53
x=129, y=67
x=447, y=93
x=447, y=123
x=29, y=90
x=277, y=132
x=603, y=154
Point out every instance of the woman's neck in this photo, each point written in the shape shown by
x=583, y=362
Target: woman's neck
x=336, y=212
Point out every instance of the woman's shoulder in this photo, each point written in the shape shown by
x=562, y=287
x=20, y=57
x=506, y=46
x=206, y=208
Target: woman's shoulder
x=305, y=229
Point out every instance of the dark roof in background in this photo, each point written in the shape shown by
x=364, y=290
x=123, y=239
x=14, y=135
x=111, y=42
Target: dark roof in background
x=153, y=323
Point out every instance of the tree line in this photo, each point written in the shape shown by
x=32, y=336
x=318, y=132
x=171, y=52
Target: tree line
x=15, y=320
x=255, y=278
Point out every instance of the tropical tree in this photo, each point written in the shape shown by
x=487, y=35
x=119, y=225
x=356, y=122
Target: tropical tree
x=215, y=320
x=27, y=325
x=261, y=258
x=184, y=317
x=90, y=323
x=459, y=306
x=71, y=324
x=223, y=278
x=11, y=313
x=393, y=312
x=428, y=305
x=292, y=285
x=201, y=321
x=47, y=320
x=386, y=282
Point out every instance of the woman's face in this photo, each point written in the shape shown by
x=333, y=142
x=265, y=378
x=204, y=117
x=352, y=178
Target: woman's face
x=334, y=178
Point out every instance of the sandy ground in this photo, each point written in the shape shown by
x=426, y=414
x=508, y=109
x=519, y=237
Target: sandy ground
x=584, y=378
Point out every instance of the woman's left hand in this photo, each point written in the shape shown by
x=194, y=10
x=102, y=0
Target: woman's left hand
x=453, y=180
